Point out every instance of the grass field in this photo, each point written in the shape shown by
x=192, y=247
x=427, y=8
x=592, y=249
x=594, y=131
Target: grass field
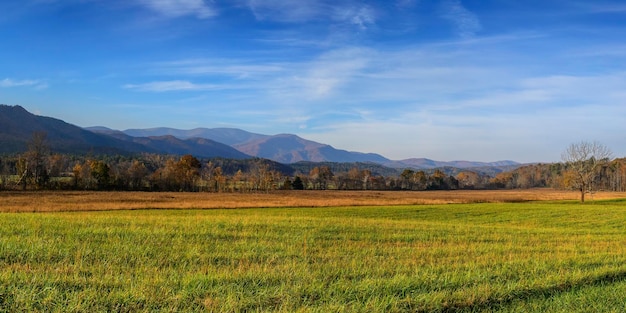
x=556, y=256
x=106, y=201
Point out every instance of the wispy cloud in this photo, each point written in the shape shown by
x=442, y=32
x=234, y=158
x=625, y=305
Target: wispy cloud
x=179, y=8
x=603, y=7
x=361, y=17
x=37, y=84
x=318, y=78
x=333, y=70
x=172, y=85
x=466, y=23
x=502, y=134
x=287, y=10
x=424, y=95
x=220, y=67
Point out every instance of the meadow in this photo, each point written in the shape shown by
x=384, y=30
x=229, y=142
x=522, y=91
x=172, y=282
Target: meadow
x=479, y=255
x=56, y=201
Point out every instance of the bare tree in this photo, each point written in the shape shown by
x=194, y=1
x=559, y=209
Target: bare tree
x=583, y=159
x=137, y=172
x=3, y=174
x=32, y=167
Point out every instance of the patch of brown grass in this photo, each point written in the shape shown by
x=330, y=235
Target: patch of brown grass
x=98, y=201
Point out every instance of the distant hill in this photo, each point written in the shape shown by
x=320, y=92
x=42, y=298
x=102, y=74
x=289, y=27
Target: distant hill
x=17, y=126
x=284, y=148
x=228, y=136
x=169, y=144
x=289, y=148
x=422, y=163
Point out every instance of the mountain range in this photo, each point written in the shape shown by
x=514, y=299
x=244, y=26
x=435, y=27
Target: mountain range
x=283, y=148
x=17, y=126
x=288, y=148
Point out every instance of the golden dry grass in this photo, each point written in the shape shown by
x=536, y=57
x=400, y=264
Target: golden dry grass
x=553, y=256
x=97, y=201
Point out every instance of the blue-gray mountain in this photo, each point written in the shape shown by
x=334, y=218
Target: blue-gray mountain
x=287, y=148
x=283, y=148
x=17, y=126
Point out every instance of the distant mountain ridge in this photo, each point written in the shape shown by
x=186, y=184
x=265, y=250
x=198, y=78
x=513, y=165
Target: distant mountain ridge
x=17, y=126
x=170, y=144
x=283, y=148
x=289, y=148
x=228, y=136
x=428, y=163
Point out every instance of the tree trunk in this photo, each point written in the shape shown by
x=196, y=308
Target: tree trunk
x=582, y=195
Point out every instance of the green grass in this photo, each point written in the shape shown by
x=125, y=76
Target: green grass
x=514, y=257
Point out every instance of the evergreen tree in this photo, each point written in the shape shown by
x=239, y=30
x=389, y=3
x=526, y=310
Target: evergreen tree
x=297, y=184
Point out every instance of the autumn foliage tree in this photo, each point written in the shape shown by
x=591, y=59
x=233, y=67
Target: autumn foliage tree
x=321, y=176
x=100, y=172
x=187, y=171
x=468, y=180
x=137, y=172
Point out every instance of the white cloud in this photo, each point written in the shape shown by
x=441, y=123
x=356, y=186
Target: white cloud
x=179, y=8
x=466, y=23
x=287, y=10
x=361, y=17
x=37, y=84
x=431, y=103
x=537, y=135
x=459, y=100
x=603, y=7
x=225, y=67
x=173, y=85
x=298, y=11
x=290, y=82
x=326, y=76
x=581, y=90
x=7, y=82
x=322, y=77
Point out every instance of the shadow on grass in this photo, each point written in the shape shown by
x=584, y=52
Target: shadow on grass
x=501, y=301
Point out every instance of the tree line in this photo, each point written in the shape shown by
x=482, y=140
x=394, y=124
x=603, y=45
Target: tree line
x=153, y=172
x=40, y=169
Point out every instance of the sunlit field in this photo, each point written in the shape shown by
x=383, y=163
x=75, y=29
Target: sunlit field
x=519, y=256
x=97, y=201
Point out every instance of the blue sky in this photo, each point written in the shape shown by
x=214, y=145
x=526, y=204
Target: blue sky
x=480, y=80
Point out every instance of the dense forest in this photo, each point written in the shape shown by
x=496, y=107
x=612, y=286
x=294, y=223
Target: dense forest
x=39, y=169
